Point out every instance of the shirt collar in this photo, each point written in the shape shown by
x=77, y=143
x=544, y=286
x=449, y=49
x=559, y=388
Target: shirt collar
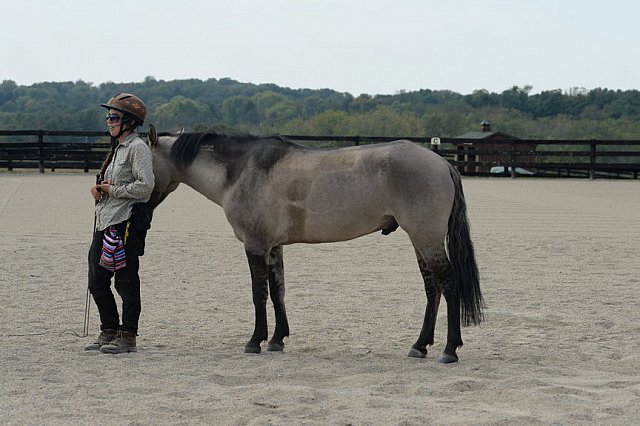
x=129, y=138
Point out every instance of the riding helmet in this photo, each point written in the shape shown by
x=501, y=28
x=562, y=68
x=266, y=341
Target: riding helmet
x=128, y=104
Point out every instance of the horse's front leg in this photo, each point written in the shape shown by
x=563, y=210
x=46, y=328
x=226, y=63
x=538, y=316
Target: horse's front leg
x=277, y=290
x=259, y=286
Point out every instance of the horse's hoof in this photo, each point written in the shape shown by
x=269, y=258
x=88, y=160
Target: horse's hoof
x=447, y=359
x=275, y=346
x=252, y=348
x=417, y=353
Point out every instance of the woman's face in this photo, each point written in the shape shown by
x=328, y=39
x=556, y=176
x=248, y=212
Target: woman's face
x=114, y=122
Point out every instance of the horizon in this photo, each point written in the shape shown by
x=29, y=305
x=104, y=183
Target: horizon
x=530, y=92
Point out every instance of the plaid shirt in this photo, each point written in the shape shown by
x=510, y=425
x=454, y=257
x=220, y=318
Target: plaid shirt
x=131, y=175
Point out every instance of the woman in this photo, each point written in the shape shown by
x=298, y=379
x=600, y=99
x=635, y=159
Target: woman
x=118, y=239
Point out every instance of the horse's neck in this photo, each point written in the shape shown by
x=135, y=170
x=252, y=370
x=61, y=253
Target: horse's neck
x=208, y=182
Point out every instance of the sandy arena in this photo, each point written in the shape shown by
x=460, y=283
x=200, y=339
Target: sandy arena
x=560, y=271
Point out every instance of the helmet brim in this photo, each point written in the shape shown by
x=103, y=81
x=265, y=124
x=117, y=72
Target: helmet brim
x=107, y=106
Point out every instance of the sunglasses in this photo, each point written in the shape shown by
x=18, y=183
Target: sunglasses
x=114, y=118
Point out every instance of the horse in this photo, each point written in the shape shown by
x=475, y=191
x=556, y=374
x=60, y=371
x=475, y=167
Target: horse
x=275, y=192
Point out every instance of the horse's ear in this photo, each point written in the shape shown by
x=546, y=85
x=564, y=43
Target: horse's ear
x=152, y=135
x=181, y=131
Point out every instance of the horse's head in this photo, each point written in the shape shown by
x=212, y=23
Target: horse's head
x=163, y=169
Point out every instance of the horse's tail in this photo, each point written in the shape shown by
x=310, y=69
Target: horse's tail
x=464, y=270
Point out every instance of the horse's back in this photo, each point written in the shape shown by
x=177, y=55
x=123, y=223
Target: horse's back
x=418, y=160
x=344, y=193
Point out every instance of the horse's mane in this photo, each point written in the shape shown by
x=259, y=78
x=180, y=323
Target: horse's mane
x=223, y=145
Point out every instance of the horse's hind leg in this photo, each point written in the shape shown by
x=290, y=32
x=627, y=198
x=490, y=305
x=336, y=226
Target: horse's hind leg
x=277, y=290
x=430, y=271
x=259, y=285
x=436, y=271
x=454, y=335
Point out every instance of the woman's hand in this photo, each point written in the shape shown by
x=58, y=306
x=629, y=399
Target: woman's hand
x=105, y=186
x=96, y=193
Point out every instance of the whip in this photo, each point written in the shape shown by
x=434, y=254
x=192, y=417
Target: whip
x=87, y=303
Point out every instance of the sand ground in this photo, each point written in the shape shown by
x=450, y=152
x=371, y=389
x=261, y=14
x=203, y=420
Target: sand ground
x=561, y=344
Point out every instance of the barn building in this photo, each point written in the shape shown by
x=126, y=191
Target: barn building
x=480, y=147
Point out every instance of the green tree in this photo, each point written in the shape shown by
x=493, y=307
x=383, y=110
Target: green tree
x=238, y=110
x=181, y=112
x=329, y=123
x=312, y=105
x=516, y=97
x=385, y=121
x=280, y=113
x=7, y=92
x=265, y=100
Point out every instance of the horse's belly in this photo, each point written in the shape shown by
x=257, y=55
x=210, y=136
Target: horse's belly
x=320, y=234
x=340, y=225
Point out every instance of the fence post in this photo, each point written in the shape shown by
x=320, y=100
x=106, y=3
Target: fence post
x=41, y=151
x=592, y=160
x=513, y=160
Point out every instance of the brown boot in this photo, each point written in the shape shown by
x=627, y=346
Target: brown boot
x=105, y=337
x=125, y=341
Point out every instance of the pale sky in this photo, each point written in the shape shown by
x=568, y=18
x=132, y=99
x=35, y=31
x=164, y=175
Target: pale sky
x=355, y=46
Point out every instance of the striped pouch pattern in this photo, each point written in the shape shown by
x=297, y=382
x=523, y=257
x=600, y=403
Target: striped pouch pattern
x=113, y=256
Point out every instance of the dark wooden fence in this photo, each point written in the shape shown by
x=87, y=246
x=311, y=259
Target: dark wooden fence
x=45, y=149
x=51, y=150
x=553, y=158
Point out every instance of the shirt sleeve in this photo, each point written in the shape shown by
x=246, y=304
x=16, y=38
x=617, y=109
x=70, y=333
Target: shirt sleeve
x=142, y=170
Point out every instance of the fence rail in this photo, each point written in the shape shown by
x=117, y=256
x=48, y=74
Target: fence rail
x=564, y=158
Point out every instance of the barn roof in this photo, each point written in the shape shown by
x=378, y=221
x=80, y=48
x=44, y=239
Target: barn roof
x=485, y=135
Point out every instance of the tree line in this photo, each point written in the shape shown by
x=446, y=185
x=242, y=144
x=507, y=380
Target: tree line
x=216, y=104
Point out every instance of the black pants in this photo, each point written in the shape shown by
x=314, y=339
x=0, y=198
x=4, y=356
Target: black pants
x=127, y=284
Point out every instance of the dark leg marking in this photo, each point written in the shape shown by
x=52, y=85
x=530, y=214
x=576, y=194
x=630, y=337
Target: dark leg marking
x=433, y=290
x=454, y=336
x=436, y=274
x=277, y=290
x=259, y=286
